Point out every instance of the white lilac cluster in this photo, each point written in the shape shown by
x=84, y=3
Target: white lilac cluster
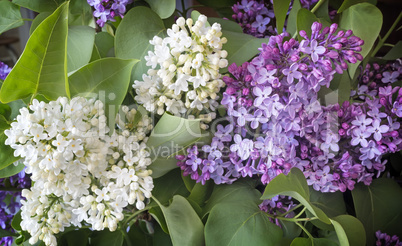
x=80, y=173
x=184, y=70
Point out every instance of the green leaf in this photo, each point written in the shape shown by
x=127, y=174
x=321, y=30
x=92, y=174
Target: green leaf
x=75, y=238
x=348, y=3
x=185, y=227
x=301, y=241
x=322, y=12
x=200, y=193
x=10, y=16
x=218, y=4
x=6, y=152
x=241, y=223
x=11, y=170
x=170, y=136
x=161, y=238
x=167, y=186
x=291, y=27
x=395, y=52
x=140, y=24
x=350, y=231
x=164, y=8
x=241, y=47
x=137, y=235
x=295, y=185
x=281, y=8
x=304, y=21
x=107, y=238
x=378, y=207
x=38, y=19
x=5, y=110
x=365, y=20
x=42, y=67
x=15, y=108
x=290, y=229
x=79, y=46
x=39, y=5
x=107, y=79
x=241, y=190
x=195, y=15
x=16, y=222
x=5, y=233
x=104, y=43
x=226, y=25
x=157, y=214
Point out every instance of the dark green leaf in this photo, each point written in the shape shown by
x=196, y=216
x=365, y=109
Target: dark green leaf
x=5, y=233
x=242, y=190
x=200, y=193
x=107, y=75
x=241, y=223
x=185, y=227
x=41, y=68
x=6, y=152
x=352, y=228
x=170, y=136
x=294, y=185
x=188, y=182
x=290, y=229
x=11, y=170
x=164, y=8
x=104, y=43
x=140, y=24
x=10, y=16
x=281, y=8
x=378, y=207
x=161, y=238
x=218, y=4
x=365, y=20
x=79, y=46
x=304, y=21
x=291, y=27
x=39, y=5
x=226, y=25
x=301, y=241
x=139, y=237
x=16, y=222
x=107, y=238
x=76, y=238
x=157, y=214
x=322, y=11
x=348, y=3
x=395, y=52
x=15, y=108
x=5, y=110
x=241, y=47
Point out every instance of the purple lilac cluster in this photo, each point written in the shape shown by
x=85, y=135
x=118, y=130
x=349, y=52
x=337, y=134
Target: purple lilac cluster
x=278, y=206
x=4, y=70
x=256, y=17
x=7, y=193
x=384, y=239
x=105, y=10
x=275, y=120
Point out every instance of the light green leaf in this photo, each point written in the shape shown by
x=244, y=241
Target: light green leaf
x=291, y=27
x=281, y=8
x=185, y=227
x=42, y=67
x=104, y=43
x=241, y=223
x=106, y=79
x=241, y=190
x=160, y=166
x=348, y=3
x=295, y=185
x=39, y=5
x=241, y=47
x=226, y=25
x=170, y=136
x=10, y=16
x=351, y=228
x=6, y=152
x=304, y=21
x=378, y=207
x=80, y=42
x=365, y=20
x=11, y=170
x=38, y=19
x=137, y=28
x=164, y=8
x=395, y=52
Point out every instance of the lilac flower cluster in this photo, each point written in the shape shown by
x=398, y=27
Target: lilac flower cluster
x=9, y=209
x=105, y=10
x=384, y=239
x=4, y=70
x=275, y=120
x=256, y=17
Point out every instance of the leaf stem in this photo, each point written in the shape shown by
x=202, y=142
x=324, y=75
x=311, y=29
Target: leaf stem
x=317, y=6
x=382, y=41
x=306, y=231
x=301, y=212
x=27, y=19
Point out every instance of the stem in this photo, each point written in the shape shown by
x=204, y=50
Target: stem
x=26, y=19
x=382, y=41
x=301, y=212
x=291, y=210
x=183, y=7
x=317, y=6
x=306, y=231
x=132, y=216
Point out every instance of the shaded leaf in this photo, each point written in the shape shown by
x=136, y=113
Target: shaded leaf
x=5, y=233
x=39, y=5
x=218, y=4
x=350, y=227
x=6, y=152
x=348, y=3
x=11, y=170
x=107, y=238
x=140, y=24
x=241, y=223
x=301, y=241
x=41, y=68
x=164, y=8
x=291, y=27
x=79, y=46
x=365, y=20
x=395, y=52
x=304, y=21
x=10, y=16
x=281, y=8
